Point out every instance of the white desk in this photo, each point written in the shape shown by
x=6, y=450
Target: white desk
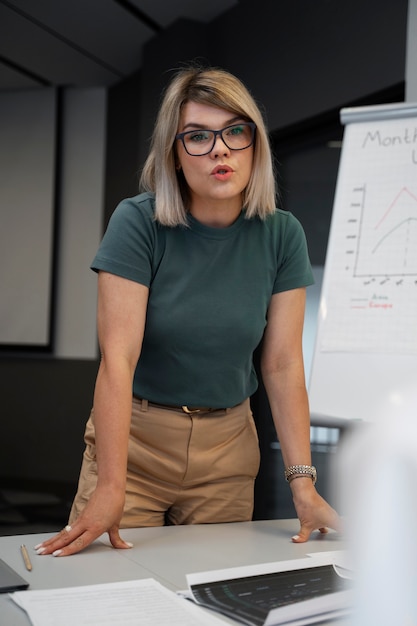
x=166, y=554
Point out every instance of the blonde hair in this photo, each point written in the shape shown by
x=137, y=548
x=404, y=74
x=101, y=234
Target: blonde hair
x=216, y=87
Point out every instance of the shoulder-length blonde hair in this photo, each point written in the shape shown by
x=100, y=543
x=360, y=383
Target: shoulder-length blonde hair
x=218, y=88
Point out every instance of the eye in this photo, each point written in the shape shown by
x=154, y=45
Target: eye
x=236, y=130
x=198, y=136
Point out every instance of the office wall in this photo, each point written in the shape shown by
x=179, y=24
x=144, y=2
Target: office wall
x=45, y=404
x=302, y=58
x=299, y=58
x=28, y=125
x=123, y=136
x=46, y=399
x=81, y=206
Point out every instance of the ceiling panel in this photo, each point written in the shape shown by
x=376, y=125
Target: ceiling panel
x=85, y=42
x=165, y=12
x=10, y=79
x=40, y=54
x=102, y=28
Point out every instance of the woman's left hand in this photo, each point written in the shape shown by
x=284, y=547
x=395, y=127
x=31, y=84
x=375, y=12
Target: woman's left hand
x=313, y=512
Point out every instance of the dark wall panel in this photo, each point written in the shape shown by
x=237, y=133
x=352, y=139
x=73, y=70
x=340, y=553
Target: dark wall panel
x=44, y=406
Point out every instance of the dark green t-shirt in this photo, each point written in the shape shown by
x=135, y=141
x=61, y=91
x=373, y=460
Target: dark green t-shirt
x=209, y=293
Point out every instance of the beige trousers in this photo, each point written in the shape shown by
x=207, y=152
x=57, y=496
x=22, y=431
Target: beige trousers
x=182, y=469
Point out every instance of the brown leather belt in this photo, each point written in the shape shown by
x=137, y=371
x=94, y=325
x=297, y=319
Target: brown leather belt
x=185, y=409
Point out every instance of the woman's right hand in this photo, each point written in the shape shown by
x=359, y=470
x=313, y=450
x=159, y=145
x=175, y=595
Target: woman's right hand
x=121, y=318
x=102, y=514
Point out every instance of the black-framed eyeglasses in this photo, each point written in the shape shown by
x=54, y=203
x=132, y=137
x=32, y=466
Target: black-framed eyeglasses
x=201, y=141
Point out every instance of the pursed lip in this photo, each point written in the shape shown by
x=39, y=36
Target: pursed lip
x=221, y=169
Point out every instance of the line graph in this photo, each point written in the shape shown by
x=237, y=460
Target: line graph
x=386, y=237
x=403, y=191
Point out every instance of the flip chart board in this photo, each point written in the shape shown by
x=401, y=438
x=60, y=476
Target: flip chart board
x=365, y=356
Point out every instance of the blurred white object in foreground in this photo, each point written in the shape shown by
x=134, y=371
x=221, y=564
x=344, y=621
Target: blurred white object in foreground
x=377, y=469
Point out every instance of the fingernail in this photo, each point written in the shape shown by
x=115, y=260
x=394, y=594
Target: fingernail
x=37, y=546
x=129, y=544
x=40, y=550
x=56, y=553
x=296, y=537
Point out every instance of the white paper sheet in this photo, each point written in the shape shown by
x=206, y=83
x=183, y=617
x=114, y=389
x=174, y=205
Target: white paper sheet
x=132, y=603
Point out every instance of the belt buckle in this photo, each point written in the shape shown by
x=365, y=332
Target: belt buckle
x=190, y=411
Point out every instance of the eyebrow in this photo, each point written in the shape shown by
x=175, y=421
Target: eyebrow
x=205, y=127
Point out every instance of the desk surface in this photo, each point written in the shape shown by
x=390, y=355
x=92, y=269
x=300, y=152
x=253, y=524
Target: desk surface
x=166, y=554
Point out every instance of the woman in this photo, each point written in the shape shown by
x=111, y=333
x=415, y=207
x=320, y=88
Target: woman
x=192, y=274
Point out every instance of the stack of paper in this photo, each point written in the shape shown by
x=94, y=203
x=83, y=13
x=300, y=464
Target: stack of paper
x=293, y=593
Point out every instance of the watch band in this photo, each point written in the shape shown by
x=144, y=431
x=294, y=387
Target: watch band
x=301, y=470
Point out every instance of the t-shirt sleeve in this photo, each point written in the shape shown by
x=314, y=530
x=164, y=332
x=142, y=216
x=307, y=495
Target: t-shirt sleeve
x=294, y=268
x=128, y=243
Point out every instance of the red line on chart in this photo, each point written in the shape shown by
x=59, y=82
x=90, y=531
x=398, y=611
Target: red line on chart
x=397, y=197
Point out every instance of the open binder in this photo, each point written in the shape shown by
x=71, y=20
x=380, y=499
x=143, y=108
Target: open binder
x=297, y=592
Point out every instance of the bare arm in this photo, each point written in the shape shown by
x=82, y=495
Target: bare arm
x=283, y=376
x=121, y=320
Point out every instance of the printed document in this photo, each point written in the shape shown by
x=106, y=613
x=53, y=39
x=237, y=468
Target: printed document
x=131, y=603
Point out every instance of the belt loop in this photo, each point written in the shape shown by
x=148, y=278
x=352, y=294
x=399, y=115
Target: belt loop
x=144, y=405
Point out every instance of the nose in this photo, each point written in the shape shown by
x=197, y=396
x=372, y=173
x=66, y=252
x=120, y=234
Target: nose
x=219, y=147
